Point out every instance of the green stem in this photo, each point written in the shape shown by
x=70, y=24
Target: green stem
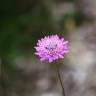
x=61, y=83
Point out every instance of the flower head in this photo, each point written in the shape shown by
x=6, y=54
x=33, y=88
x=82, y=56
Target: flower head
x=51, y=48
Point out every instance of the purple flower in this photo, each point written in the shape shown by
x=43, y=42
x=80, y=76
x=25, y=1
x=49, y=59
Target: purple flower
x=51, y=48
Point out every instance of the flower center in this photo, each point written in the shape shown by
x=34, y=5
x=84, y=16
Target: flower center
x=51, y=47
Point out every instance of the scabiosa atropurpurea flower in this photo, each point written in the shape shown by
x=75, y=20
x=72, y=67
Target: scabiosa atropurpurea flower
x=51, y=48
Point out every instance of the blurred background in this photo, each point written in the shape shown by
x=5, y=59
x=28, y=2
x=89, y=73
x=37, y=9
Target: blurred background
x=23, y=22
